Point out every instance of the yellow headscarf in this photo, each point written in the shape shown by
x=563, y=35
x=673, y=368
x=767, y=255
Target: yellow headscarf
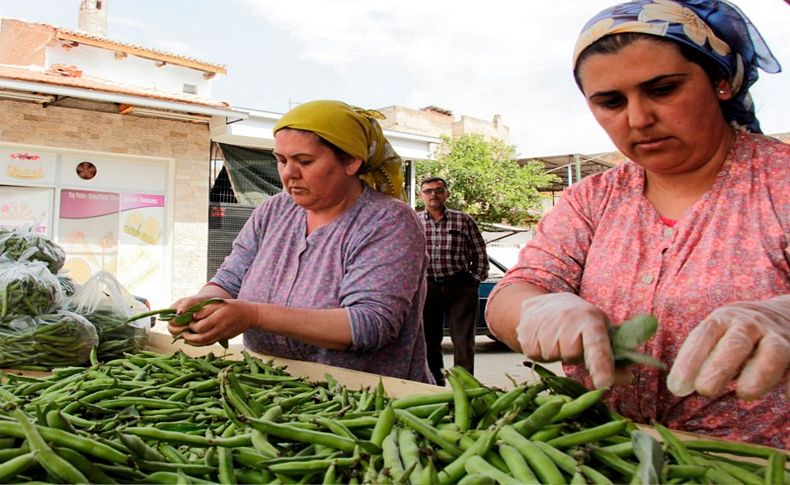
x=356, y=132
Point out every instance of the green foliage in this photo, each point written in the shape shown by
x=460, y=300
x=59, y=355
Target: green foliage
x=485, y=181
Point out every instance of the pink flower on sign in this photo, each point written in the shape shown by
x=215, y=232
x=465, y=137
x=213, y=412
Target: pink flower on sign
x=24, y=156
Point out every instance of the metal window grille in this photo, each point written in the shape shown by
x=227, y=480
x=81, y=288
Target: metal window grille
x=226, y=215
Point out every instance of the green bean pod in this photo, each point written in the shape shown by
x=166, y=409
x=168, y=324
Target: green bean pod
x=517, y=464
x=52, y=462
x=391, y=456
x=455, y=470
x=588, y=435
x=543, y=466
x=383, y=426
x=476, y=464
x=775, y=471
x=15, y=466
x=428, y=431
x=302, y=435
x=462, y=414
x=579, y=405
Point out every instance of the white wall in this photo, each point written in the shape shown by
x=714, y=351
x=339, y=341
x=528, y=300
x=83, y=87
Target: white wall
x=131, y=70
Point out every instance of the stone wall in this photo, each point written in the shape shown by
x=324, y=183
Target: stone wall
x=489, y=129
x=435, y=123
x=187, y=143
x=410, y=120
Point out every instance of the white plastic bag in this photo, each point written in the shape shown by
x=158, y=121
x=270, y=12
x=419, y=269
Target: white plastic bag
x=59, y=339
x=27, y=288
x=107, y=304
x=23, y=240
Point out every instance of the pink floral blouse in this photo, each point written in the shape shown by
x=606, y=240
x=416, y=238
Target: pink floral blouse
x=605, y=242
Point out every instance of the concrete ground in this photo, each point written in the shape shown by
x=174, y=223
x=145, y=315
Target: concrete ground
x=496, y=365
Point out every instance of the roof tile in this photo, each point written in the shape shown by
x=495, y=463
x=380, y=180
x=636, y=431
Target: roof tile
x=103, y=85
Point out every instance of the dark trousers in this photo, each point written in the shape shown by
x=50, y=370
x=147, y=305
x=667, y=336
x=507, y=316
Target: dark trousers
x=457, y=300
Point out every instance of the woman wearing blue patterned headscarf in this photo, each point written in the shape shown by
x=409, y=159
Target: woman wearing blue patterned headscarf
x=693, y=228
x=716, y=29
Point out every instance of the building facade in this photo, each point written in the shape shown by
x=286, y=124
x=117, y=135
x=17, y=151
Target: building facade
x=106, y=147
x=111, y=167
x=436, y=122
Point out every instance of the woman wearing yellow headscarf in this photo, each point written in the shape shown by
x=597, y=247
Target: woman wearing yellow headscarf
x=332, y=270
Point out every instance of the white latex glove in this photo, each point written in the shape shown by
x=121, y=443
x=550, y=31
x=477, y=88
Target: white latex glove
x=563, y=326
x=753, y=333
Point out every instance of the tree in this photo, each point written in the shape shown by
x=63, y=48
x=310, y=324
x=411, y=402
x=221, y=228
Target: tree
x=486, y=181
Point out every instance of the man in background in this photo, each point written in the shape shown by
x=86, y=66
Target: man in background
x=457, y=264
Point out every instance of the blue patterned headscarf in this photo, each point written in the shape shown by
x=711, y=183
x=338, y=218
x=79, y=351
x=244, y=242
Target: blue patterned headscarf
x=716, y=28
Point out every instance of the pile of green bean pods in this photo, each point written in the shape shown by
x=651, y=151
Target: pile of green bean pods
x=46, y=341
x=27, y=288
x=24, y=243
x=152, y=418
x=41, y=324
x=117, y=336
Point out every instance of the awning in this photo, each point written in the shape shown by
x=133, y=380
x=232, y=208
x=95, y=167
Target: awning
x=252, y=173
x=256, y=131
x=141, y=99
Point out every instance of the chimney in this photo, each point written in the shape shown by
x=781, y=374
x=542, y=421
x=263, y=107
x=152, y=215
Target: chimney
x=93, y=17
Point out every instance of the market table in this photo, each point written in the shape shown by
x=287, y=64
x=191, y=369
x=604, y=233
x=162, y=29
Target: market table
x=237, y=412
x=353, y=379
x=163, y=343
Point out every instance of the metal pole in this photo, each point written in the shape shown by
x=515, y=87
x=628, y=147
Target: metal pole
x=570, y=175
x=578, y=164
x=411, y=182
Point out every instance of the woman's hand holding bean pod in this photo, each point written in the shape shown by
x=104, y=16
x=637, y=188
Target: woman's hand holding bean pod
x=184, y=314
x=218, y=322
x=211, y=320
x=563, y=326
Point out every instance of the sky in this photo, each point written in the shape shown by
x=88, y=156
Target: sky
x=475, y=58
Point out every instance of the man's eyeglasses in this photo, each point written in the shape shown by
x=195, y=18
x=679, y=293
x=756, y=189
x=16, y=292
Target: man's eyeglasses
x=437, y=191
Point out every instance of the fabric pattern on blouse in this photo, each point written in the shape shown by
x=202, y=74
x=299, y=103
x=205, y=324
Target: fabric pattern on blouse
x=605, y=242
x=455, y=245
x=375, y=271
